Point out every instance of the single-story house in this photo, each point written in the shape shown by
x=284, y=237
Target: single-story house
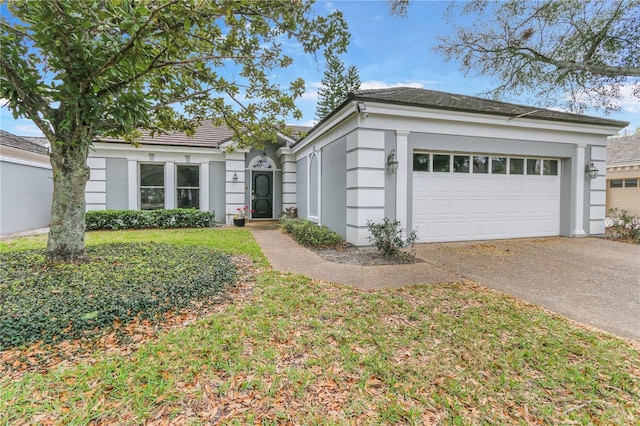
x=452, y=167
x=623, y=173
x=26, y=185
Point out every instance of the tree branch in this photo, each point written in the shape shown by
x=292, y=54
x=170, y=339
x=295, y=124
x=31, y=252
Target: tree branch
x=602, y=69
x=132, y=41
x=34, y=104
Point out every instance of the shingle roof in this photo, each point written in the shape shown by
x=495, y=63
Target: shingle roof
x=449, y=101
x=623, y=149
x=14, y=141
x=206, y=136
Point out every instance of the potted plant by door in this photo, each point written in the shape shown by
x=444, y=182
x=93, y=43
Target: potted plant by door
x=241, y=217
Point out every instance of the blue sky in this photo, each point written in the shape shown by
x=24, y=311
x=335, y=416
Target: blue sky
x=388, y=51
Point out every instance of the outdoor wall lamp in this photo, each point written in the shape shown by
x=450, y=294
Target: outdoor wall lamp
x=392, y=162
x=362, y=109
x=591, y=170
x=235, y=177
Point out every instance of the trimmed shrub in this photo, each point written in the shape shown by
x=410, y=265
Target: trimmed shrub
x=310, y=234
x=387, y=237
x=40, y=301
x=146, y=219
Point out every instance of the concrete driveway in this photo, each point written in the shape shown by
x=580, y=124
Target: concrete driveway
x=589, y=280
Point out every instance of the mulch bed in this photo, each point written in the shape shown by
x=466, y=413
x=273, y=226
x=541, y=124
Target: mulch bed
x=363, y=256
x=123, y=339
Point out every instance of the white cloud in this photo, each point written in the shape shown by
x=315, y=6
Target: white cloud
x=629, y=102
x=27, y=130
x=376, y=84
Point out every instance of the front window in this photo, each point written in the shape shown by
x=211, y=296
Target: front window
x=151, y=186
x=188, y=188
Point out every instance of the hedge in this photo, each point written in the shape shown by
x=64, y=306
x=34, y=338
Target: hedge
x=145, y=219
x=310, y=234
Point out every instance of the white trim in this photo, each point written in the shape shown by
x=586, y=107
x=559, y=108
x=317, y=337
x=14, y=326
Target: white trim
x=317, y=217
x=578, y=199
x=27, y=158
x=402, y=177
x=132, y=171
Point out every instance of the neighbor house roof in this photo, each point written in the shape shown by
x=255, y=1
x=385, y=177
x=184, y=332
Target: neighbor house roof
x=206, y=136
x=19, y=142
x=623, y=149
x=411, y=96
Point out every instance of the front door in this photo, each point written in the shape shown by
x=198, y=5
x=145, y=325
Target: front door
x=262, y=195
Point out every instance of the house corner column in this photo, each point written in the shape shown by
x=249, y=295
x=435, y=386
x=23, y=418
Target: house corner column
x=402, y=178
x=289, y=180
x=578, y=192
x=234, y=191
x=365, y=183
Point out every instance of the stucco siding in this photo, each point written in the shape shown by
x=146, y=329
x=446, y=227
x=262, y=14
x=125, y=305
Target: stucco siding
x=334, y=187
x=117, y=183
x=216, y=189
x=26, y=194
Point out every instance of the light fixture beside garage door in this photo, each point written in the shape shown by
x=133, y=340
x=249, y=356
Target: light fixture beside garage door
x=591, y=170
x=392, y=162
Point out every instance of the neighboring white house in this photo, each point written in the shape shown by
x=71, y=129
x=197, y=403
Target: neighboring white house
x=26, y=187
x=452, y=167
x=623, y=173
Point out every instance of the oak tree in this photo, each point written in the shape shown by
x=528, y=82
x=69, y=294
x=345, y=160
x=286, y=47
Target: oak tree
x=570, y=53
x=87, y=69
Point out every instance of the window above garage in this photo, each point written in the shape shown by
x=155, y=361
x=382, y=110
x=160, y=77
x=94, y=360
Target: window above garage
x=483, y=164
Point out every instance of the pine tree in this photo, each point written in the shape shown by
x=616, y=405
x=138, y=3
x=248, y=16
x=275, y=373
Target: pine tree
x=335, y=86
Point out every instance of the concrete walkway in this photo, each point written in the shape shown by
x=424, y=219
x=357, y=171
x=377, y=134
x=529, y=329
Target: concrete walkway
x=286, y=255
x=591, y=281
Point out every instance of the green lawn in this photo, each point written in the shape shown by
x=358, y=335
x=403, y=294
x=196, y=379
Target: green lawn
x=304, y=352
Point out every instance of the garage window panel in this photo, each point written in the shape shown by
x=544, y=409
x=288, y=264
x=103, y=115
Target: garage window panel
x=615, y=183
x=441, y=163
x=461, y=163
x=533, y=166
x=631, y=183
x=499, y=165
x=516, y=166
x=480, y=164
x=550, y=167
x=421, y=162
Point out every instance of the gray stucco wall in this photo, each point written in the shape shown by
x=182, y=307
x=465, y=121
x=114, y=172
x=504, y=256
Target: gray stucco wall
x=117, y=184
x=452, y=143
x=217, y=189
x=26, y=193
x=334, y=186
x=301, y=176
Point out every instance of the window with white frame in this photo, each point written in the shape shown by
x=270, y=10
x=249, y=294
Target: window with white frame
x=188, y=186
x=151, y=186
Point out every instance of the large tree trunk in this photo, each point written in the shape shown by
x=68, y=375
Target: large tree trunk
x=70, y=176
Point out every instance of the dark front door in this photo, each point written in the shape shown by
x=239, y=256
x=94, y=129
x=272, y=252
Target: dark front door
x=262, y=195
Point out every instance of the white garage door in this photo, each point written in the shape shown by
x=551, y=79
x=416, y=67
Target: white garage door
x=460, y=197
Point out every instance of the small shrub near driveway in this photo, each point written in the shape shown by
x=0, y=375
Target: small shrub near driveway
x=623, y=225
x=39, y=301
x=97, y=220
x=387, y=237
x=310, y=234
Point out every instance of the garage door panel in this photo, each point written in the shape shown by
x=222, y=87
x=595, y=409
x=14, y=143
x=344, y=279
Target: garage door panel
x=467, y=206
